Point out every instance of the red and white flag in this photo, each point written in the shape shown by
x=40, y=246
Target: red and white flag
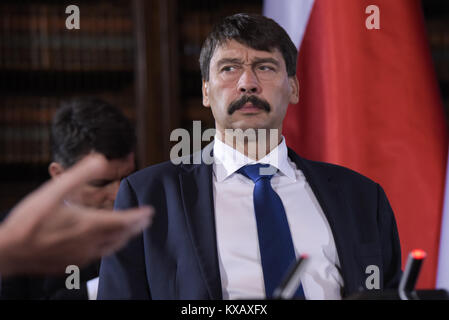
x=369, y=101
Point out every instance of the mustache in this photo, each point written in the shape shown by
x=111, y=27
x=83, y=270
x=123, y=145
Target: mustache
x=255, y=101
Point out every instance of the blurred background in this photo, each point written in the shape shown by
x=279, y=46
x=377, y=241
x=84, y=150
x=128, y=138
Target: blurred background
x=139, y=55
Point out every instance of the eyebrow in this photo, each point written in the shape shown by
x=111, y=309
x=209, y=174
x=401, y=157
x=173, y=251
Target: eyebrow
x=255, y=61
x=266, y=60
x=228, y=60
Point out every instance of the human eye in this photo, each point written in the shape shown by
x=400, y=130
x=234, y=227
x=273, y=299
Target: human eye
x=228, y=68
x=266, y=67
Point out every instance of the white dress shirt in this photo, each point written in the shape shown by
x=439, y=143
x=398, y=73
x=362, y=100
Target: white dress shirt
x=92, y=288
x=237, y=240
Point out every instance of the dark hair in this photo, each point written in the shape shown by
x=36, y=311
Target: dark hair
x=83, y=125
x=255, y=31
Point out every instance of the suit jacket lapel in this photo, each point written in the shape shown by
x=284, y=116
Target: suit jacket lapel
x=197, y=197
x=334, y=206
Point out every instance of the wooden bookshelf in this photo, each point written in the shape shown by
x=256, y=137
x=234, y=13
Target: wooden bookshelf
x=43, y=63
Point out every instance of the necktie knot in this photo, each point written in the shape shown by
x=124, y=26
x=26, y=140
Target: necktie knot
x=258, y=171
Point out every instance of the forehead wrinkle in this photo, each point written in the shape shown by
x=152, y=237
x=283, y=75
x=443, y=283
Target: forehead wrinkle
x=254, y=60
x=241, y=53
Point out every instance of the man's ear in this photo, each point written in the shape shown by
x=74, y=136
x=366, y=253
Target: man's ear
x=294, y=86
x=205, y=90
x=55, y=169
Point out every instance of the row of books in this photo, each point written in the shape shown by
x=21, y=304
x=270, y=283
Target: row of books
x=25, y=144
x=25, y=126
x=95, y=17
x=27, y=111
x=34, y=36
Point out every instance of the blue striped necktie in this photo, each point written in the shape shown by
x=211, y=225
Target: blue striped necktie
x=275, y=241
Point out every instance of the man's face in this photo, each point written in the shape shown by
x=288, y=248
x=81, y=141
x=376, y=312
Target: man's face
x=101, y=192
x=248, y=88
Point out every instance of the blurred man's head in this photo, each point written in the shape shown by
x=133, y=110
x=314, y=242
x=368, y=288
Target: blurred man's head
x=248, y=66
x=85, y=125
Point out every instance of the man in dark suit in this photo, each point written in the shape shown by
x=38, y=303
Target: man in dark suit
x=231, y=219
x=82, y=126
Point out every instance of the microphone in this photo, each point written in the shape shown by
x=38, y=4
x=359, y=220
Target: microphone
x=292, y=279
x=410, y=275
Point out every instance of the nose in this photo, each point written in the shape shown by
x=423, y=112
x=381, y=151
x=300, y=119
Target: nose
x=248, y=82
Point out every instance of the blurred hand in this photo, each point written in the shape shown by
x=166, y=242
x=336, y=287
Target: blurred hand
x=42, y=235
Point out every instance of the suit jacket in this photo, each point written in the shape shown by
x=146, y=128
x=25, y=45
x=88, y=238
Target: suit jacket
x=176, y=258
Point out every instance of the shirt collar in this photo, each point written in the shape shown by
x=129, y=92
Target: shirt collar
x=228, y=160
